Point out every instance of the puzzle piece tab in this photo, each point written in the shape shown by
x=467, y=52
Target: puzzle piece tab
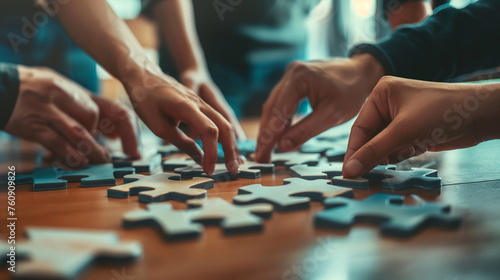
x=161, y=187
x=396, y=179
x=295, y=193
x=320, y=171
x=50, y=178
x=141, y=165
x=63, y=254
x=333, y=150
x=388, y=210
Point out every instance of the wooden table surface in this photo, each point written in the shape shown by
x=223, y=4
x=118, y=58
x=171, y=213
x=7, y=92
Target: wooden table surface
x=289, y=247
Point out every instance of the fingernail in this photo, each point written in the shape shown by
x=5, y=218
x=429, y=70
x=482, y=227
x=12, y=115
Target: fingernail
x=234, y=166
x=353, y=168
x=286, y=145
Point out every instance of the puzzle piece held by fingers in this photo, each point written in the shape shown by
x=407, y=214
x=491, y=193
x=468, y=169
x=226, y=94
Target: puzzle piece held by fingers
x=141, y=165
x=161, y=187
x=50, y=178
x=392, y=178
x=295, y=193
x=173, y=163
x=63, y=254
x=320, y=171
x=388, y=210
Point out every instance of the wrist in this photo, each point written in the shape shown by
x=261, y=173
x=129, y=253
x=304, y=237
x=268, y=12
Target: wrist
x=371, y=70
x=487, y=115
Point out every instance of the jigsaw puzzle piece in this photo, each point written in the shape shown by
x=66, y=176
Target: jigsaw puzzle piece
x=168, y=150
x=141, y=165
x=356, y=183
x=389, y=211
x=63, y=254
x=173, y=163
x=295, y=193
x=294, y=158
x=232, y=218
x=320, y=171
x=249, y=170
x=43, y=178
x=96, y=175
x=174, y=224
x=161, y=187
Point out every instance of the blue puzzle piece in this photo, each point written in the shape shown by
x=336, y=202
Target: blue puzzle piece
x=147, y=164
x=43, y=178
x=388, y=210
x=52, y=178
x=246, y=147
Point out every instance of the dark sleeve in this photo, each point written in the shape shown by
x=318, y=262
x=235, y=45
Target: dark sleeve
x=392, y=6
x=9, y=89
x=148, y=6
x=450, y=43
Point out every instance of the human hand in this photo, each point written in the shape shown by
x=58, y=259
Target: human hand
x=336, y=89
x=62, y=117
x=201, y=83
x=163, y=103
x=403, y=118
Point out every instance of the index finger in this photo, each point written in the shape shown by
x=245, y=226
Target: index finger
x=276, y=118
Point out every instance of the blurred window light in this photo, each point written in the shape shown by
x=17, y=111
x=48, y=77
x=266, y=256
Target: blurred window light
x=364, y=8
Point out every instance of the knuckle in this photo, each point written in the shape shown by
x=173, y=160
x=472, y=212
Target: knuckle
x=211, y=131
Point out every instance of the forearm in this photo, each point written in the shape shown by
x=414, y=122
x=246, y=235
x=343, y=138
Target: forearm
x=448, y=44
x=487, y=114
x=177, y=27
x=95, y=28
x=9, y=90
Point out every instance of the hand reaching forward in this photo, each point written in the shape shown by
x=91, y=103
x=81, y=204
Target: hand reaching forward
x=336, y=90
x=63, y=117
x=404, y=118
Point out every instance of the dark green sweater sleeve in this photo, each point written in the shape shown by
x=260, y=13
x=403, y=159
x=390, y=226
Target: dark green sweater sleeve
x=450, y=43
x=9, y=90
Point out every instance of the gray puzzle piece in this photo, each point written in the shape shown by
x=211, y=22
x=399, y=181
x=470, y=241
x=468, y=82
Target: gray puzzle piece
x=294, y=158
x=388, y=210
x=333, y=150
x=43, y=178
x=167, y=150
x=173, y=224
x=396, y=179
x=320, y=171
x=295, y=193
x=232, y=218
x=187, y=168
x=141, y=165
x=161, y=187
x=50, y=178
x=63, y=254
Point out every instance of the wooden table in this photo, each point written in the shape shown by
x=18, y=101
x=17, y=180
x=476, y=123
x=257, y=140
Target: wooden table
x=290, y=247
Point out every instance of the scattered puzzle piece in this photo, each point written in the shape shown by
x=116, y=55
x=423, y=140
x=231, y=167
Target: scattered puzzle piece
x=356, y=183
x=63, y=254
x=294, y=158
x=246, y=147
x=175, y=224
x=43, y=178
x=295, y=193
x=333, y=150
x=320, y=171
x=167, y=150
x=50, y=178
x=161, y=187
x=395, y=179
x=387, y=210
x=187, y=168
x=97, y=175
x=141, y=165
x=232, y=218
